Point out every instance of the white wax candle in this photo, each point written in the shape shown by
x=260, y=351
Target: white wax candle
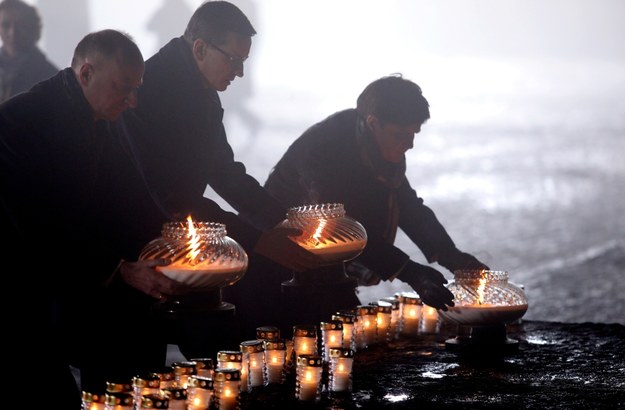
x=341, y=369
x=348, y=335
x=274, y=365
x=304, y=345
x=228, y=397
x=334, y=251
x=429, y=320
x=340, y=381
x=308, y=386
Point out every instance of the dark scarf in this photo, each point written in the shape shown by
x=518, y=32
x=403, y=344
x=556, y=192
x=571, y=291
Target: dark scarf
x=389, y=174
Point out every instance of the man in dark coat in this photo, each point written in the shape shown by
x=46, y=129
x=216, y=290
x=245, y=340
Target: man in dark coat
x=179, y=140
x=72, y=208
x=356, y=157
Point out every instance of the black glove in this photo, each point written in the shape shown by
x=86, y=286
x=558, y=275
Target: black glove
x=458, y=260
x=428, y=283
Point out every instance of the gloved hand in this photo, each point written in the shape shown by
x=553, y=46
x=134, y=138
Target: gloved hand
x=458, y=260
x=428, y=283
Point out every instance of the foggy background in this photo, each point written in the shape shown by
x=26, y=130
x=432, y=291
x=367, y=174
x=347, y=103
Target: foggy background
x=522, y=159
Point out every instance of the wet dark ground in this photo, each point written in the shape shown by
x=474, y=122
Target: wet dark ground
x=555, y=366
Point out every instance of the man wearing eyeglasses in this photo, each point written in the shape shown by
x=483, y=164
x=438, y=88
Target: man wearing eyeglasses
x=180, y=144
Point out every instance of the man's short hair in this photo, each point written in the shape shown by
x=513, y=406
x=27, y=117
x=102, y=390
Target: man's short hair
x=110, y=44
x=214, y=20
x=394, y=99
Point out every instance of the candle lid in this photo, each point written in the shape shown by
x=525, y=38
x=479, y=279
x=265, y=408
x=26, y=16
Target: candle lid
x=364, y=310
x=148, y=380
x=341, y=352
x=202, y=382
x=312, y=360
x=118, y=387
x=251, y=346
x=279, y=344
x=345, y=317
x=229, y=356
x=119, y=399
x=223, y=374
x=332, y=325
x=382, y=306
x=203, y=363
x=154, y=401
x=305, y=330
x=92, y=397
x=183, y=368
x=267, y=333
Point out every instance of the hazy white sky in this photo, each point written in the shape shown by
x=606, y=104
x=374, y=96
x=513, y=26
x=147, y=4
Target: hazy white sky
x=321, y=53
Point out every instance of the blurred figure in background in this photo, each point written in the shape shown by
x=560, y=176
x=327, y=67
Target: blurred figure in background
x=22, y=64
x=357, y=157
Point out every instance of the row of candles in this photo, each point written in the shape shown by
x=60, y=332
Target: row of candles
x=318, y=365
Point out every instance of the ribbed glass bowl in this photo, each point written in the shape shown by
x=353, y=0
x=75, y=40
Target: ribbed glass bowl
x=327, y=231
x=484, y=298
x=202, y=255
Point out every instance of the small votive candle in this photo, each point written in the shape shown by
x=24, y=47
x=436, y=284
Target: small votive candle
x=275, y=360
x=395, y=312
x=341, y=362
x=227, y=387
x=348, y=319
x=308, y=380
x=167, y=376
x=200, y=391
x=429, y=320
x=368, y=317
x=204, y=366
x=331, y=336
x=383, y=317
x=92, y=400
x=182, y=372
x=177, y=397
x=253, y=364
x=118, y=401
x=142, y=385
x=410, y=313
x=304, y=339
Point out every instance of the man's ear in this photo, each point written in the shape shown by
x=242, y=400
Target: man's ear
x=372, y=122
x=85, y=73
x=199, y=49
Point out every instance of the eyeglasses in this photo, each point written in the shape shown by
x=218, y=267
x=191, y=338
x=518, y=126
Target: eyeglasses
x=234, y=61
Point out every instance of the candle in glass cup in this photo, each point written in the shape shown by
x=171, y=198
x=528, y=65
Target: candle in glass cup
x=395, y=312
x=305, y=339
x=368, y=317
x=410, y=313
x=117, y=401
x=227, y=387
x=341, y=363
x=275, y=360
x=182, y=372
x=232, y=359
x=177, y=397
x=204, y=366
x=331, y=336
x=92, y=400
x=200, y=392
x=429, y=320
x=383, y=318
x=308, y=381
x=145, y=384
x=253, y=363
x=348, y=319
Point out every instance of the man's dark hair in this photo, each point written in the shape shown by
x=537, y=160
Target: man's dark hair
x=111, y=44
x=31, y=19
x=213, y=20
x=394, y=99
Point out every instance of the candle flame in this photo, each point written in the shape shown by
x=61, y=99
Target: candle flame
x=274, y=360
x=341, y=367
x=227, y=392
x=318, y=231
x=308, y=376
x=194, y=241
x=480, y=291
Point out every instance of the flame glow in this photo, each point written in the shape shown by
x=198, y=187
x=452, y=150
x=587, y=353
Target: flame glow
x=319, y=231
x=194, y=241
x=480, y=291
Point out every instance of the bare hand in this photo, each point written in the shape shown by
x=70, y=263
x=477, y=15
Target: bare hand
x=276, y=245
x=143, y=276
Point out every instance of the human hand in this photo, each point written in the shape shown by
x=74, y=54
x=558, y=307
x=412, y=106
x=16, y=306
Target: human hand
x=429, y=284
x=276, y=245
x=142, y=275
x=461, y=260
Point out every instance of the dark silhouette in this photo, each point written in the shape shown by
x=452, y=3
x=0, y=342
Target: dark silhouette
x=22, y=64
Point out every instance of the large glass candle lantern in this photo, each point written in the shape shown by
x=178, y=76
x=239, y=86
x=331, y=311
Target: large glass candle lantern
x=202, y=255
x=327, y=231
x=485, y=301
